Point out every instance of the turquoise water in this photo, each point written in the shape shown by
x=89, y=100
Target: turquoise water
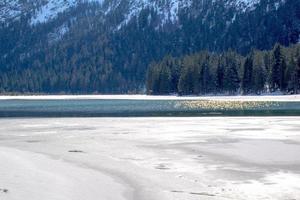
x=143, y=108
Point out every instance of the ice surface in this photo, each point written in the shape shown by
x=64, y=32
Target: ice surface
x=150, y=158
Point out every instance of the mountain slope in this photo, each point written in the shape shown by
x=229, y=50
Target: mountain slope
x=106, y=46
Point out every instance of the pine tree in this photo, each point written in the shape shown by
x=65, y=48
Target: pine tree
x=259, y=79
x=283, y=68
x=298, y=76
x=164, y=80
x=232, y=80
x=247, y=83
x=278, y=70
x=205, y=78
x=175, y=74
x=291, y=76
x=186, y=82
x=220, y=77
x=152, y=79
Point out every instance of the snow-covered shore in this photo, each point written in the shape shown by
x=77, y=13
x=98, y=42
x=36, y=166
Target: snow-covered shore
x=150, y=158
x=146, y=97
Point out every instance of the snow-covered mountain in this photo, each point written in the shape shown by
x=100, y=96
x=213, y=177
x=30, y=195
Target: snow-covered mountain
x=121, y=37
x=43, y=11
x=117, y=14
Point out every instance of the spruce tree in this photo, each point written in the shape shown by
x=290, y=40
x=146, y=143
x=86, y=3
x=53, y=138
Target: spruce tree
x=259, y=79
x=247, y=76
x=298, y=76
x=150, y=80
x=175, y=74
x=205, y=78
x=186, y=83
x=220, y=77
x=283, y=68
x=164, y=80
x=232, y=80
x=277, y=77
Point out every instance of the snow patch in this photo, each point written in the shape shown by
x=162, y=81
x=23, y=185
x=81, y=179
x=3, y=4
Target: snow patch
x=243, y=5
x=9, y=9
x=167, y=10
x=52, y=8
x=42, y=11
x=58, y=33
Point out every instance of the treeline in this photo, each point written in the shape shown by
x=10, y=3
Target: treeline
x=228, y=73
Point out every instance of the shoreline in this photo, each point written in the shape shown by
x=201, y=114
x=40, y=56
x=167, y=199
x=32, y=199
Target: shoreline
x=287, y=98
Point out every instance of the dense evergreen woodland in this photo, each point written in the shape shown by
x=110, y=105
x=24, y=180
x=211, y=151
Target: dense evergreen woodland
x=203, y=73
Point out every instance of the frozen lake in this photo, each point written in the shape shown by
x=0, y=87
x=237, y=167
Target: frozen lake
x=163, y=158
